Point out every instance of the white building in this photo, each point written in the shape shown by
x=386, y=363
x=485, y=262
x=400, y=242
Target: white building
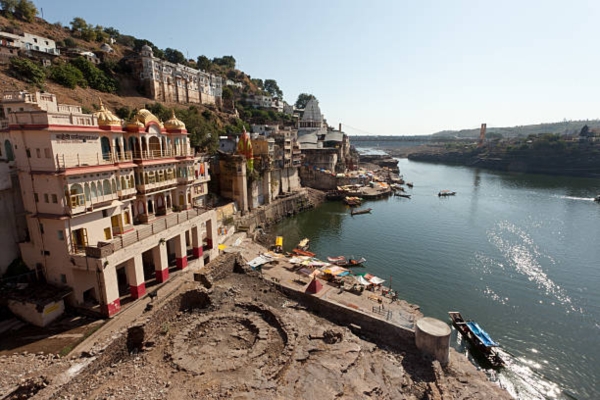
x=110, y=206
x=168, y=82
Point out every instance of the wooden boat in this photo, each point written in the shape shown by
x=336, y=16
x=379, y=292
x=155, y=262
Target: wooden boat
x=301, y=252
x=353, y=201
x=479, y=338
x=409, y=184
x=407, y=196
x=443, y=193
x=363, y=211
x=347, y=262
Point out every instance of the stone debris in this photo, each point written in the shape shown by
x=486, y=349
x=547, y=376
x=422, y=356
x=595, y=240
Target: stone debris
x=237, y=341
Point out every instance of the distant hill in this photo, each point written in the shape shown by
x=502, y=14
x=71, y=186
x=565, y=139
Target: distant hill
x=561, y=128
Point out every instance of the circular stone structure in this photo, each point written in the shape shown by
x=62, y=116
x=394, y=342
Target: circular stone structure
x=432, y=336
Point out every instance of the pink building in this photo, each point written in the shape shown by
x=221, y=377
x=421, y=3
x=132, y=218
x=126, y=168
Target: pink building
x=111, y=206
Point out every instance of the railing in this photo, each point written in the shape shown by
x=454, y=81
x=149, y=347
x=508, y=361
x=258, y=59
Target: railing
x=104, y=249
x=157, y=154
x=64, y=161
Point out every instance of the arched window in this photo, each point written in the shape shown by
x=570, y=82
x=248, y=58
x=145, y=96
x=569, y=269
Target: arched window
x=123, y=183
x=9, y=151
x=106, y=188
x=93, y=188
x=105, y=143
x=87, y=192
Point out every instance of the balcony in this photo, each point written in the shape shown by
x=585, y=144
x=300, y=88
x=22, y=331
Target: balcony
x=105, y=249
x=158, y=154
x=64, y=161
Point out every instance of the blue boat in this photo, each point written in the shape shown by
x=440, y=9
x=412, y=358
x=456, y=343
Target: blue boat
x=478, y=338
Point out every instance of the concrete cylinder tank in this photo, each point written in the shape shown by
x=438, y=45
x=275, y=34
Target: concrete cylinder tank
x=432, y=337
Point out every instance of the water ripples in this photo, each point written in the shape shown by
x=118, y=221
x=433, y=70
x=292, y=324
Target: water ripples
x=521, y=254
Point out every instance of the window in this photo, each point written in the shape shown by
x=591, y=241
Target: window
x=54, y=199
x=28, y=152
x=46, y=198
x=63, y=278
x=47, y=153
x=42, y=228
x=61, y=235
x=107, y=234
x=36, y=197
x=38, y=153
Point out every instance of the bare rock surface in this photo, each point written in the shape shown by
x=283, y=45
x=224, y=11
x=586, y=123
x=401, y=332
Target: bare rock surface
x=248, y=342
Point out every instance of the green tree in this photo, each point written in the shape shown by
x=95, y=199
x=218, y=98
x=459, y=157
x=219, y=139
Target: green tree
x=78, y=25
x=585, y=131
x=9, y=6
x=112, y=32
x=126, y=40
x=27, y=71
x=26, y=10
x=272, y=88
x=100, y=35
x=225, y=61
x=303, y=99
x=203, y=63
x=259, y=83
x=175, y=56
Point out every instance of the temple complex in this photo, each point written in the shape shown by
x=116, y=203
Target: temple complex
x=110, y=205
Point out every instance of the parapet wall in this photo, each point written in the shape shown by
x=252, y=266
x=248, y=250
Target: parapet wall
x=378, y=330
x=275, y=212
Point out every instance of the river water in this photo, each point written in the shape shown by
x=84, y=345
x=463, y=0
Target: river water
x=520, y=254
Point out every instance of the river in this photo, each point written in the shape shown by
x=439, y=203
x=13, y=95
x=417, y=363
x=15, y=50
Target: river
x=520, y=254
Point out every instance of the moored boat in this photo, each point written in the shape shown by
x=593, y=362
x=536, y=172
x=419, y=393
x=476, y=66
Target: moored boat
x=409, y=184
x=406, y=196
x=301, y=252
x=443, y=193
x=597, y=198
x=352, y=201
x=362, y=211
x=479, y=338
x=346, y=262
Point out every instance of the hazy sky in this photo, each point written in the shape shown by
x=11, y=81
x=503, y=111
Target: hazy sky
x=387, y=67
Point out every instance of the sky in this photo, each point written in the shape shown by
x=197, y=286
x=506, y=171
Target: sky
x=387, y=67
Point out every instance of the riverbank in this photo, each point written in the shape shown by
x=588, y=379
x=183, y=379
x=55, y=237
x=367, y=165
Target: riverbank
x=582, y=160
x=241, y=337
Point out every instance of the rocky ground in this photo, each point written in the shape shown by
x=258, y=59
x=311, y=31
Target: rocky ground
x=248, y=341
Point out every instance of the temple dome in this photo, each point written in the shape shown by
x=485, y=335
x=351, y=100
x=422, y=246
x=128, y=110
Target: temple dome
x=106, y=117
x=174, y=124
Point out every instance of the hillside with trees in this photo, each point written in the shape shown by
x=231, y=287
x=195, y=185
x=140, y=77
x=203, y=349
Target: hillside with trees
x=75, y=80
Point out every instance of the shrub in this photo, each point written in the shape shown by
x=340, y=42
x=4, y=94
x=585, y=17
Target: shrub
x=27, y=71
x=95, y=77
x=67, y=75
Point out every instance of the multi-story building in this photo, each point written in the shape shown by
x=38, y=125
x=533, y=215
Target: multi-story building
x=27, y=43
x=168, y=82
x=111, y=206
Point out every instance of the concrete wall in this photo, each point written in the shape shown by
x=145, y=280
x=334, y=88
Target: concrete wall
x=317, y=179
x=376, y=329
x=36, y=314
x=276, y=211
